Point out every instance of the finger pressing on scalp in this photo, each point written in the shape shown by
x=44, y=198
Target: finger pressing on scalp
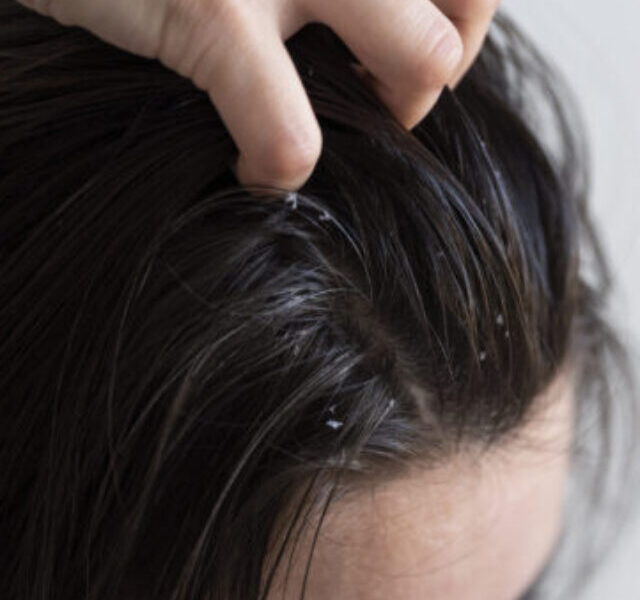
x=472, y=18
x=235, y=53
x=409, y=47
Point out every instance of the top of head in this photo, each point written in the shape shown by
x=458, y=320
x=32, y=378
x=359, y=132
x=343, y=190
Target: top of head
x=419, y=291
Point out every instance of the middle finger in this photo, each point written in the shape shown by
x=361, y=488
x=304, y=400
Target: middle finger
x=410, y=47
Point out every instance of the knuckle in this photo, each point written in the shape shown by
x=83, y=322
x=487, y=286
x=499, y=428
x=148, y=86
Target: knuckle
x=167, y=39
x=184, y=25
x=438, y=55
x=191, y=10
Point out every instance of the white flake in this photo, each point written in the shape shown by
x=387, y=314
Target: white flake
x=291, y=200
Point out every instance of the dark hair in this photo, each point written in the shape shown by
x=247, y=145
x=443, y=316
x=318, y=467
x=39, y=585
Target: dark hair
x=184, y=361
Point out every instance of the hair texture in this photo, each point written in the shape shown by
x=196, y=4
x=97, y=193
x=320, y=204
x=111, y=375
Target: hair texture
x=185, y=361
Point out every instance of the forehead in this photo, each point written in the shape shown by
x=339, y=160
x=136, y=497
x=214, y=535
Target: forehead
x=479, y=527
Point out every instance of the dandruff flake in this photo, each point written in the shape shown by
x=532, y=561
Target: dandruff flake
x=291, y=200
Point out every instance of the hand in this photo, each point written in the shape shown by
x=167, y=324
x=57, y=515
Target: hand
x=234, y=50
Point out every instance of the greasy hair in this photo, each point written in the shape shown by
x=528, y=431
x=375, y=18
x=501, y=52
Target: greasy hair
x=185, y=361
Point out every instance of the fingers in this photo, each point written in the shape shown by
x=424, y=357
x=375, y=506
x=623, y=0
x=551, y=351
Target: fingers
x=237, y=56
x=409, y=46
x=472, y=18
x=233, y=50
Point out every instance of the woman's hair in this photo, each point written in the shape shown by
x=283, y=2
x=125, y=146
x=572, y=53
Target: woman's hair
x=192, y=372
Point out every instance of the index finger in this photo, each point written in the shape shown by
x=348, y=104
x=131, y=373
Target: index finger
x=234, y=51
x=239, y=58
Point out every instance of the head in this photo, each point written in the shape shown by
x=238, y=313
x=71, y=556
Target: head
x=363, y=390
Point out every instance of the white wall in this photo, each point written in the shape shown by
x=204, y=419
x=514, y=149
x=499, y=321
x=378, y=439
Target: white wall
x=596, y=44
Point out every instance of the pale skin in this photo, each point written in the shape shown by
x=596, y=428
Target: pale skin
x=479, y=526
x=234, y=49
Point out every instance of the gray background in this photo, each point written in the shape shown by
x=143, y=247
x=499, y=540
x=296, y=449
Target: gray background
x=596, y=44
